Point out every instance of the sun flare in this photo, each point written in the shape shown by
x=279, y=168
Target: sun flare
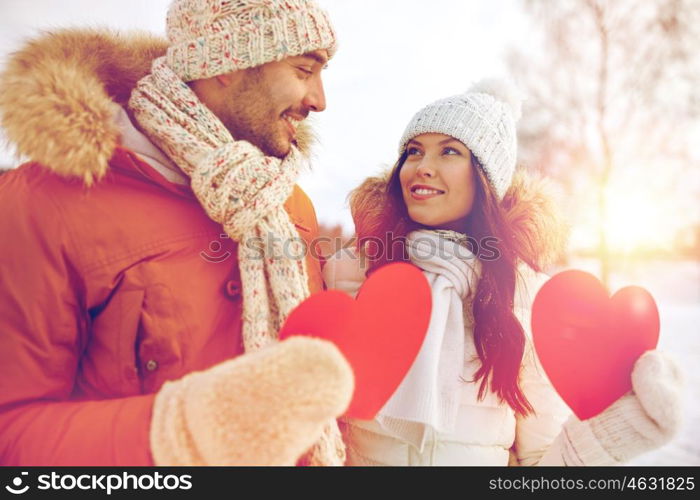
x=635, y=220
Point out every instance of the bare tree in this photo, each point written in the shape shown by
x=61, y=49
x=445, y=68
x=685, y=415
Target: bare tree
x=614, y=82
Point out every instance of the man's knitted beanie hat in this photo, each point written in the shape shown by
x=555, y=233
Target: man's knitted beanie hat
x=483, y=119
x=214, y=37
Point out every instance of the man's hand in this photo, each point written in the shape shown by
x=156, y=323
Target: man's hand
x=263, y=408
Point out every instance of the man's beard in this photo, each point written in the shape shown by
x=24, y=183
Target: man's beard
x=249, y=115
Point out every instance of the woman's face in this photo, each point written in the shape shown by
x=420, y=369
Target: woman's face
x=437, y=181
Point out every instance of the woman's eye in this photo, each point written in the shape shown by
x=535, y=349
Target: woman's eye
x=450, y=151
x=412, y=151
x=306, y=71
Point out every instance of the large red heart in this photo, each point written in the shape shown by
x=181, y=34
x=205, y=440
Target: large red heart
x=588, y=342
x=380, y=333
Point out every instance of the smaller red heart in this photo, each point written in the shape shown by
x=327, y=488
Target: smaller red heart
x=588, y=342
x=379, y=333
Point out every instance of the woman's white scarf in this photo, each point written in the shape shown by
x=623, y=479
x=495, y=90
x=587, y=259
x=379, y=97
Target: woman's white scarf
x=245, y=191
x=429, y=394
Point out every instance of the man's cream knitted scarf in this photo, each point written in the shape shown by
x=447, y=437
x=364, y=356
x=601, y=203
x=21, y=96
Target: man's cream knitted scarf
x=245, y=191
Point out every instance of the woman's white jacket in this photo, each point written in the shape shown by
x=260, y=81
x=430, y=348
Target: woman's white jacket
x=488, y=431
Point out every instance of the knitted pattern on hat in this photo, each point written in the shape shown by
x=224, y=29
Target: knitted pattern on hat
x=213, y=37
x=245, y=191
x=483, y=119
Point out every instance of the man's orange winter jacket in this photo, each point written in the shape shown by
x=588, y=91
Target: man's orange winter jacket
x=110, y=290
x=106, y=293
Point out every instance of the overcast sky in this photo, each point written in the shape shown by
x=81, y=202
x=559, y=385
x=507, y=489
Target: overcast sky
x=395, y=56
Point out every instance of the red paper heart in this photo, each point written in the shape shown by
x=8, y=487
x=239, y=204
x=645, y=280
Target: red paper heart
x=588, y=342
x=380, y=333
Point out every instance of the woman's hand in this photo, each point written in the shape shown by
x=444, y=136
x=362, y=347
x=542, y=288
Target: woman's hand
x=644, y=419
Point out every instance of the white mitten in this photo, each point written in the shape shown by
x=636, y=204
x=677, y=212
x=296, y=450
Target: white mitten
x=264, y=408
x=638, y=422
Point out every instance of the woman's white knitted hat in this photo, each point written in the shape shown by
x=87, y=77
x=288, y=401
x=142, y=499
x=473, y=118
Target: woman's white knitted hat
x=483, y=119
x=213, y=37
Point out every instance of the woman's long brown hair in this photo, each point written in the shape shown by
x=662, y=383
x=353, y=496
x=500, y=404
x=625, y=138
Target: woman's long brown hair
x=498, y=335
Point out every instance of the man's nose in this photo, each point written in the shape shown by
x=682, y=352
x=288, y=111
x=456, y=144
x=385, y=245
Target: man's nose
x=315, y=98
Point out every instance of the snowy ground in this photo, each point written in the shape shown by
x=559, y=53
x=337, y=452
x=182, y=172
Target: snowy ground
x=676, y=288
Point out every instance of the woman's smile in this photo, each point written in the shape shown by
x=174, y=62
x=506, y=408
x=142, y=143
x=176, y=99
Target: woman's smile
x=422, y=192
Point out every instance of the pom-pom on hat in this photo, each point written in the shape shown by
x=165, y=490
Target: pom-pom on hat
x=483, y=119
x=214, y=37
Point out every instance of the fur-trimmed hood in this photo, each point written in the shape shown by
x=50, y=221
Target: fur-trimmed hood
x=529, y=205
x=61, y=93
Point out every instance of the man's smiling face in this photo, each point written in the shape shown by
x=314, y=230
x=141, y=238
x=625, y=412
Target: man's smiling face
x=263, y=105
